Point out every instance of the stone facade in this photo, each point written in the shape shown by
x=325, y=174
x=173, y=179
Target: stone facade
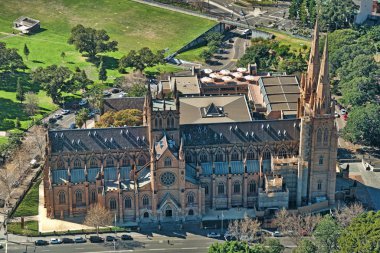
x=165, y=171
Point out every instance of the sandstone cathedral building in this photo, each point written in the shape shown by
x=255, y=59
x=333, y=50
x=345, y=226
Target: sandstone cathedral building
x=195, y=155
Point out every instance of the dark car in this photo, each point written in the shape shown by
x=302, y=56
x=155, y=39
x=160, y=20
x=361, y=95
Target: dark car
x=41, y=243
x=79, y=240
x=67, y=240
x=115, y=90
x=52, y=120
x=96, y=239
x=126, y=237
x=110, y=238
x=73, y=126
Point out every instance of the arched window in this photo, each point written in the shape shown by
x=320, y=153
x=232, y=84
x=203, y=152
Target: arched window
x=250, y=155
x=113, y=204
x=78, y=197
x=319, y=137
x=168, y=162
x=221, y=188
x=141, y=161
x=321, y=160
x=237, y=187
x=62, y=198
x=145, y=201
x=219, y=156
x=266, y=154
x=156, y=123
x=206, y=189
x=326, y=136
x=93, y=163
x=172, y=122
x=203, y=157
x=191, y=212
x=319, y=185
x=109, y=162
x=127, y=203
x=235, y=156
x=189, y=157
x=190, y=198
x=77, y=163
x=146, y=215
x=160, y=123
x=282, y=153
x=60, y=164
x=125, y=162
x=93, y=196
x=252, y=187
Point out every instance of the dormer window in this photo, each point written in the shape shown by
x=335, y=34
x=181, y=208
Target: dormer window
x=212, y=111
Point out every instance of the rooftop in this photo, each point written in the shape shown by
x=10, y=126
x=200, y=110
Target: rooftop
x=118, y=104
x=187, y=85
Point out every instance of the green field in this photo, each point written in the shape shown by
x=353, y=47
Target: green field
x=132, y=24
x=29, y=205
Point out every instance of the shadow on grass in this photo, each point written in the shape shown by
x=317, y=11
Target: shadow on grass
x=8, y=82
x=10, y=110
x=36, y=61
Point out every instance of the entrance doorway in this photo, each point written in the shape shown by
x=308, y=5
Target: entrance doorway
x=168, y=213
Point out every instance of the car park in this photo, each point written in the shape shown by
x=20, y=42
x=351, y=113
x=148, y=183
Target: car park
x=79, y=240
x=67, y=240
x=213, y=235
x=41, y=243
x=65, y=112
x=55, y=241
x=96, y=239
x=110, y=238
x=126, y=237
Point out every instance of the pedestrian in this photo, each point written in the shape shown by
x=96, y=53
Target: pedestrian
x=168, y=242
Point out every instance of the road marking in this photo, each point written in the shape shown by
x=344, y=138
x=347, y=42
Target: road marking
x=157, y=249
x=191, y=248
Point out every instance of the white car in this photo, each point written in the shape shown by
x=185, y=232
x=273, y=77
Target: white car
x=343, y=111
x=55, y=241
x=83, y=102
x=277, y=234
x=64, y=112
x=213, y=235
x=336, y=115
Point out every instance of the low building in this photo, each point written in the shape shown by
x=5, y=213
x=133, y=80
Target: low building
x=26, y=25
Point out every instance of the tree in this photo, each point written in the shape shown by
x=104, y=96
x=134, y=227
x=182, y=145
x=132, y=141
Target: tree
x=362, y=235
x=26, y=51
x=137, y=90
x=57, y=79
x=102, y=72
x=98, y=216
x=95, y=98
x=142, y=59
x=336, y=14
x=273, y=245
x=128, y=117
x=244, y=229
x=17, y=124
x=326, y=234
x=91, y=41
x=344, y=215
x=10, y=60
x=63, y=55
x=82, y=117
x=214, y=38
x=31, y=103
x=206, y=55
x=20, y=91
x=362, y=125
x=306, y=246
x=270, y=246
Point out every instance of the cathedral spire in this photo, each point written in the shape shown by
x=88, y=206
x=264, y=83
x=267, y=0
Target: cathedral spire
x=314, y=62
x=323, y=88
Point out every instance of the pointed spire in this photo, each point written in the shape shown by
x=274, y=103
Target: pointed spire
x=181, y=152
x=148, y=97
x=323, y=88
x=164, y=106
x=314, y=62
x=175, y=88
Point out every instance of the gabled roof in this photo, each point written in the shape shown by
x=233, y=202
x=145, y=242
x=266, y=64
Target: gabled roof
x=168, y=198
x=165, y=144
x=117, y=104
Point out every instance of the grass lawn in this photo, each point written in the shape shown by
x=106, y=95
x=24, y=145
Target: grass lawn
x=286, y=39
x=3, y=140
x=29, y=205
x=193, y=55
x=30, y=228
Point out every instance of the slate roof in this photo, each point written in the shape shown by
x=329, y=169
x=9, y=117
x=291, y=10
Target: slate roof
x=98, y=139
x=117, y=104
x=242, y=132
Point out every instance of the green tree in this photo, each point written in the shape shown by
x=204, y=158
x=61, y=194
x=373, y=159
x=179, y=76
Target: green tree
x=31, y=103
x=82, y=117
x=306, y=246
x=326, y=234
x=363, y=125
x=128, y=117
x=10, y=60
x=91, y=41
x=141, y=60
x=362, y=235
x=26, y=51
x=57, y=79
x=20, y=91
x=102, y=72
x=95, y=98
x=206, y=55
x=273, y=245
x=337, y=14
x=137, y=90
x=303, y=13
x=293, y=9
x=17, y=124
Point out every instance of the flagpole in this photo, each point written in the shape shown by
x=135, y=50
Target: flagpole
x=221, y=229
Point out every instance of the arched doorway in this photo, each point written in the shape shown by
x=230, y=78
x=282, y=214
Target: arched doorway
x=168, y=212
x=191, y=212
x=146, y=215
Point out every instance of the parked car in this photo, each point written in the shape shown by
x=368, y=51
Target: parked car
x=58, y=116
x=91, y=114
x=122, y=94
x=67, y=240
x=110, y=238
x=41, y=243
x=79, y=240
x=52, y=120
x=55, y=241
x=107, y=93
x=73, y=126
x=213, y=235
x=96, y=239
x=336, y=115
x=1, y=246
x=115, y=90
x=126, y=237
x=277, y=234
x=64, y=112
x=343, y=111
x=83, y=102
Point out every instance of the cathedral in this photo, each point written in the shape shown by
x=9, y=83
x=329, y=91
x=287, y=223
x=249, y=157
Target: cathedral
x=196, y=155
